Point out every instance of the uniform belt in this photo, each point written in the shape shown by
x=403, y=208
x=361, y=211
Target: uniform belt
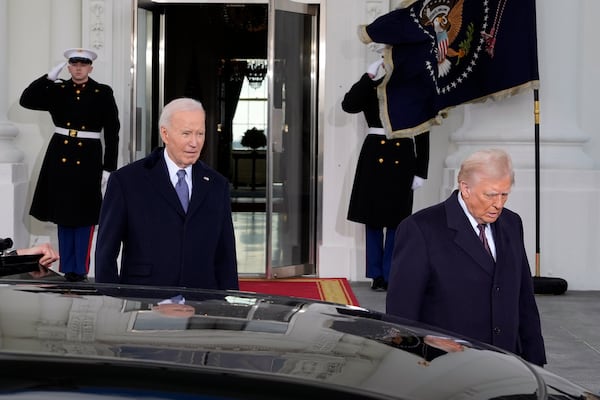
x=76, y=133
x=376, y=131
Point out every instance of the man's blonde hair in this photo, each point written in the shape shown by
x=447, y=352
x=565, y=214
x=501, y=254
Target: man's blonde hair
x=492, y=163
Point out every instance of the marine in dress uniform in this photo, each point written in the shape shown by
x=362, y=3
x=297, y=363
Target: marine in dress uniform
x=68, y=191
x=387, y=172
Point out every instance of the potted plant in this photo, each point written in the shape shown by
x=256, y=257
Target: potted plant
x=254, y=138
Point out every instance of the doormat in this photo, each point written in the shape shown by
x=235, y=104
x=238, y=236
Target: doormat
x=335, y=290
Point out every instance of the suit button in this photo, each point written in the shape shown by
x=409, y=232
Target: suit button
x=497, y=331
x=64, y=160
x=382, y=141
x=66, y=141
x=397, y=144
x=380, y=161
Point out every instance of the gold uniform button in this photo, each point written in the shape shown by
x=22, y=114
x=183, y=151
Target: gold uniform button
x=79, y=144
x=380, y=161
x=66, y=141
x=78, y=162
x=396, y=162
x=78, y=91
x=68, y=124
x=78, y=98
x=64, y=160
x=82, y=128
x=397, y=144
x=382, y=141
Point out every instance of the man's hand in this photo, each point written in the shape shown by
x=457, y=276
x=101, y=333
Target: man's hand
x=49, y=255
x=54, y=72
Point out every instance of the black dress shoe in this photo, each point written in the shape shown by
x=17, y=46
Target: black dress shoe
x=379, y=284
x=73, y=277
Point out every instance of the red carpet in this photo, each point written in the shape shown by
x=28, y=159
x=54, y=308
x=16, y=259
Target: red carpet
x=335, y=290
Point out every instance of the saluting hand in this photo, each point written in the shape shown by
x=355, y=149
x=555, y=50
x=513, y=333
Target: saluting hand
x=54, y=72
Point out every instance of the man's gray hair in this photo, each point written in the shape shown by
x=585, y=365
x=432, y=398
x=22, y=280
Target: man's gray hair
x=491, y=163
x=181, y=104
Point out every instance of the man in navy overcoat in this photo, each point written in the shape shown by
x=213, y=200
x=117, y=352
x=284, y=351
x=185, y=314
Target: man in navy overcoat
x=142, y=214
x=444, y=275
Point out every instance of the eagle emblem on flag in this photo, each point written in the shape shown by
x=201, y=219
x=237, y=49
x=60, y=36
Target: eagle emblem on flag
x=443, y=53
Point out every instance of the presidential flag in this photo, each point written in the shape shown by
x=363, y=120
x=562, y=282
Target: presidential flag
x=444, y=53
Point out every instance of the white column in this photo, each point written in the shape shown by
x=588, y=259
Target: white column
x=65, y=30
x=569, y=186
x=13, y=172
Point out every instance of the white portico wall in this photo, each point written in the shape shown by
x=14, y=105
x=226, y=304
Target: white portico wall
x=13, y=172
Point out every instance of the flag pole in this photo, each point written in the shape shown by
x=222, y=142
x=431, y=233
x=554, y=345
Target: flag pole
x=541, y=285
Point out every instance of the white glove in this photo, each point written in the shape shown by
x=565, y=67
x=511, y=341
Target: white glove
x=104, y=181
x=54, y=72
x=374, y=67
x=417, y=182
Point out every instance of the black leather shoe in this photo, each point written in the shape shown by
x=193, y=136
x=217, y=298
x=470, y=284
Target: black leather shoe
x=379, y=284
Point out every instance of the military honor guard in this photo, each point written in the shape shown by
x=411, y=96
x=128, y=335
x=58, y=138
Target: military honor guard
x=387, y=173
x=77, y=162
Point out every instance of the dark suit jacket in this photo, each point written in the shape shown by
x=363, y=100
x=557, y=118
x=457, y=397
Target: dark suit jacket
x=162, y=245
x=441, y=275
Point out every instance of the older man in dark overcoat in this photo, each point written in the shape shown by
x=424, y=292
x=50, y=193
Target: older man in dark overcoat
x=461, y=265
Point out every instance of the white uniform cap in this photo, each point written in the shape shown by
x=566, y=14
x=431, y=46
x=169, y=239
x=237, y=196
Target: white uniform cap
x=80, y=53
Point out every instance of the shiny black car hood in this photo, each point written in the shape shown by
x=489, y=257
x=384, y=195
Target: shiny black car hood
x=298, y=342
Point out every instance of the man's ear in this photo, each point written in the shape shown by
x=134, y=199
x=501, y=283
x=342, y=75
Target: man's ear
x=464, y=189
x=164, y=134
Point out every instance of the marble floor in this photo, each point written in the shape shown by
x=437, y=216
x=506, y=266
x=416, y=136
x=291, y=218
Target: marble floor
x=250, y=241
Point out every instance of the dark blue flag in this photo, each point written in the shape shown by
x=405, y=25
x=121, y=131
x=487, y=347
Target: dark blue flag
x=444, y=53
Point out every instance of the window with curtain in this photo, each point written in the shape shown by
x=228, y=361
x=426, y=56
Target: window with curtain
x=251, y=112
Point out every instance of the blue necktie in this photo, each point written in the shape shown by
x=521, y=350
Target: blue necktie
x=181, y=187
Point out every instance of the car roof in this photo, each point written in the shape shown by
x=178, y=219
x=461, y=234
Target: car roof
x=200, y=342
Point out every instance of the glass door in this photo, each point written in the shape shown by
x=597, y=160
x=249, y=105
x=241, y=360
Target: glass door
x=291, y=151
x=277, y=235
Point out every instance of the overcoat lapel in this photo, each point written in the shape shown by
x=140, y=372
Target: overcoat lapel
x=465, y=237
x=159, y=179
x=201, y=184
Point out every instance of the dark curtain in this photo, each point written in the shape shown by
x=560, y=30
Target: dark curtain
x=232, y=78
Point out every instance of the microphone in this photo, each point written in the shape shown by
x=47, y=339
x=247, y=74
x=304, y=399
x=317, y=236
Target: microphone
x=5, y=244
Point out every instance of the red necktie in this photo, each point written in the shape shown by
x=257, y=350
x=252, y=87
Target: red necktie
x=483, y=238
